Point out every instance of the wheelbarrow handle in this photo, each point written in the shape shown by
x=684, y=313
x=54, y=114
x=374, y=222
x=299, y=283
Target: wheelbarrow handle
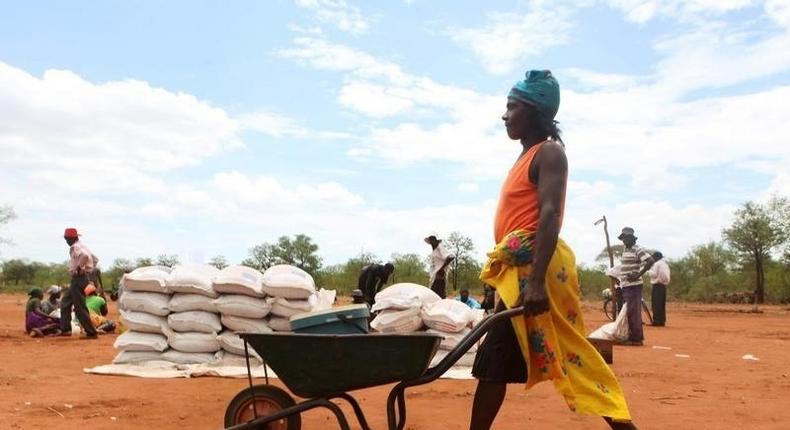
x=396, y=420
x=466, y=343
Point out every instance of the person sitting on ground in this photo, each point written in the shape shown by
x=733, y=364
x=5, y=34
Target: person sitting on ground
x=97, y=308
x=372, y=278
x=38, y=323
x=468, y=300
x=53, y=300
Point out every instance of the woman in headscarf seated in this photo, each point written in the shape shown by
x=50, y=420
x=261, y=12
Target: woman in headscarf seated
x=97, y=308
x=53, y=300
x=38, y=323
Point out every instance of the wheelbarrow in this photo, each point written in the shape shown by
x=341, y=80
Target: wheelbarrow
x=321, y=367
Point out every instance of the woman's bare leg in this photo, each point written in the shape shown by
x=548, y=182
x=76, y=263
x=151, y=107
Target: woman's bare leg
x=488, y=399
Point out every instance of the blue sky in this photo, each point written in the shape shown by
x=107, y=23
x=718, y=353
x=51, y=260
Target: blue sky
x=204, y=128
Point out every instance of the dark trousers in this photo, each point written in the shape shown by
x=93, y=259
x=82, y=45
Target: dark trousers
x=439, y=287
x=75, y=297
x=659, y=304
x=633, y=298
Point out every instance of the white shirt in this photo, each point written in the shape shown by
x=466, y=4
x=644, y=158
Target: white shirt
x=659, y=273
x=437, y=259
x=81, y=259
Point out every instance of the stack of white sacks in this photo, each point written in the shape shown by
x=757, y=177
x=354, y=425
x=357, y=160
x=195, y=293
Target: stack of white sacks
x=406, y=307
x=144, y=310
x=292, y=292
x=192, y=314
x=452, y=320
x=243, y=307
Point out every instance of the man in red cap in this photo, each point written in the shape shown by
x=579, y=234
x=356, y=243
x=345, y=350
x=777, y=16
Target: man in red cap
x=82, y=263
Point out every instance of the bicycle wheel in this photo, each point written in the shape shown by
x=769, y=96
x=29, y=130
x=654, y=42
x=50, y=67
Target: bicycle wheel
x=646, y=311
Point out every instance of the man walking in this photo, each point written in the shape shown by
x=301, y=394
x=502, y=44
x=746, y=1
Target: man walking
x=634, y=262
x=372, y=278
x=659, y=277
x=439, y=260
x=82, y=263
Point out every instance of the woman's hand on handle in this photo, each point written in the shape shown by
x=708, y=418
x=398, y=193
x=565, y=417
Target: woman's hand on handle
x=534, y=299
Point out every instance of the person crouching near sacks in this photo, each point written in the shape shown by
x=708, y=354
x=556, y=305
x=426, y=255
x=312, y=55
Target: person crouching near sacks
x=38, y=323
x=97, y=308
x=53, y=300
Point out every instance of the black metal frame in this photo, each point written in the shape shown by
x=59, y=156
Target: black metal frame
x=396, y=419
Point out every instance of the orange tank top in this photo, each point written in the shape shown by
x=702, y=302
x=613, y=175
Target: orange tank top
x=519, y=207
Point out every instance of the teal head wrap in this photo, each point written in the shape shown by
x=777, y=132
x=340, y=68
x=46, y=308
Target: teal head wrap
x=35, y=292
x=539, y=89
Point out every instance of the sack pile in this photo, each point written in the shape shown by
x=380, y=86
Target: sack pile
x=400, y=307
x=192, y=314
x=406, y=307
x=452, y=320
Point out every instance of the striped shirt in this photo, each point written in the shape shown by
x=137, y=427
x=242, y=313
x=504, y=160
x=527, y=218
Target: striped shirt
x=631, y=262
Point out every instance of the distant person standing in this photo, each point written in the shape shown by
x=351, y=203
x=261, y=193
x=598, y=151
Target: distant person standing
x=439, y=260
x=659, y=277
x=489, y=299
x=372, y=278
x=82, y=264
x=634, y=262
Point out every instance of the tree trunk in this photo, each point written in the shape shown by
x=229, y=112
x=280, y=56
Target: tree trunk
x=759, y=293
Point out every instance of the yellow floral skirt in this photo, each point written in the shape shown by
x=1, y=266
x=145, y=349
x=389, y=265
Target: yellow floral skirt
x=554, y=344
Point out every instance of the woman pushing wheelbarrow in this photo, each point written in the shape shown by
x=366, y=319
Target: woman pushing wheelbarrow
x=536, y=335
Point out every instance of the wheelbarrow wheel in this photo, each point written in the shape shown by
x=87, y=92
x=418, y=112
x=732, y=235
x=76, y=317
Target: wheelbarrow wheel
x=267, y=401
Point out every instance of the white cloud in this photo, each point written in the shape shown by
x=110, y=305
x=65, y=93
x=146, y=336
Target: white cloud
x=115, y=135
x=642, y=11
x=611, y=120
x=264, y=193
x=779, y=11
x=374, y=100
x=339, y=13
x=468, y=187
x=589, y=79
x=507, y=39
x=280, y=126
x=671, y=228
x=324, y=55
x=719, y=55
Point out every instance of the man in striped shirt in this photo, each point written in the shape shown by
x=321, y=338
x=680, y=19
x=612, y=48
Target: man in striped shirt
x=634, y=262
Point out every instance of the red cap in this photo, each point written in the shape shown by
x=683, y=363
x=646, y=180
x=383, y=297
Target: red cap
x=70, y=233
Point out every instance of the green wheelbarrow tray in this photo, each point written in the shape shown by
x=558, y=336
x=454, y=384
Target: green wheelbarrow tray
x=323, y=368
x=320, y=365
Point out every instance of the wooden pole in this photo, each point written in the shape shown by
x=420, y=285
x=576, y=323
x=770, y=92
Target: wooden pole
x=612, y=284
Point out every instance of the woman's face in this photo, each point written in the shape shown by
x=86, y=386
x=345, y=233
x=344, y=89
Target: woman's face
x=518, y=119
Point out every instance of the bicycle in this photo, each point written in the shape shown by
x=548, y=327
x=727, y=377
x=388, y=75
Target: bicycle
x=609, y=307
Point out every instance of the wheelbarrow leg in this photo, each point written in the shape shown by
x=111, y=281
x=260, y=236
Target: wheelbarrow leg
x=357, y=409
x=396, y=421
x=401, y=409
x=341, y=418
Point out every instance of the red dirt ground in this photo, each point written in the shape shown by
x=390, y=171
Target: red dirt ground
x=714, y=388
